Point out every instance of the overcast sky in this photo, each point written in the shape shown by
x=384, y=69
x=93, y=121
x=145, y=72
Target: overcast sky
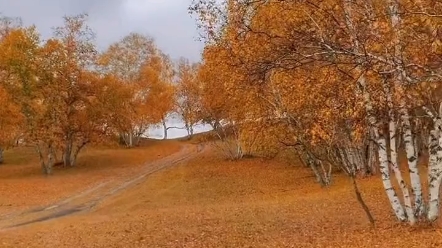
x=166, y=20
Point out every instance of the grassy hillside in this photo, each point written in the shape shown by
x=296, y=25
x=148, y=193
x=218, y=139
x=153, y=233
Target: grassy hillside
x=23, y=185
x=211, y=202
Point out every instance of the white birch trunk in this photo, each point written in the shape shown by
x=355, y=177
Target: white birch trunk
x=383, y=155
x=412, y=163
x=131, y=142
x=392, y=129
x=406, y=126
x=380, y=140
x=385, y=172
x=435, y=164
x=434, y=176
x=398, y=174
x=372, y=154
x=416, y=145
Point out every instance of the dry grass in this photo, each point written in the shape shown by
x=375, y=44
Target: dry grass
x=209, y=202
x=23, y=185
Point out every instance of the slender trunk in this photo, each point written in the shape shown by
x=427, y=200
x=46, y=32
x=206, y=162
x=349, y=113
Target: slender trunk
x=131, y=141
x=361, y=201
x=47, y=158
x=1, y=156
x=399, y=76
x=434, y=176
x=382, y=154
x=350, y=153
x=416, y=146
x=311, y=162
x=394, y=156
x=326, y=173
x=398, y=174
x=385, y=172
x=346, y=165
x=371, y=153
x=239, y=151
x=76, y=152
x=412, y=163
x=366, y=168
x=190, y=131
x=165, y=130
x=67, y=154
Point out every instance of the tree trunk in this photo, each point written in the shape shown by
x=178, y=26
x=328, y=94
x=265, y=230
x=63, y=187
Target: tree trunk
x=385, y=172
x=412, y=163
x=394, y=156
x=398, y=174
x=315, y=164
x=190, y=131
x=1, y=156
x=67, y=154
x=131, y=139
x=165, y=130
x=47, y=159
x=382, y=154
x=434, y=176
x=371, y=154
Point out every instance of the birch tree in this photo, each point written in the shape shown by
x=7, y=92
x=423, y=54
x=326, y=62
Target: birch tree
x=356, y=40
x=125, y=60
x=188, y=94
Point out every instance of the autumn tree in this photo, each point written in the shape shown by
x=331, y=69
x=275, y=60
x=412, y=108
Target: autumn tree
x=125, y=60
x=188, y=94
x=158, y=93
x=19, y=53
x=52, y=86
x=297, y=45
x=64, y=82
x=11, y=122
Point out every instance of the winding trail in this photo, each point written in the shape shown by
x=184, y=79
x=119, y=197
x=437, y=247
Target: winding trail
x=91, y=197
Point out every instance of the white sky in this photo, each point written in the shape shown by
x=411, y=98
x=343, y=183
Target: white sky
x=168, y=21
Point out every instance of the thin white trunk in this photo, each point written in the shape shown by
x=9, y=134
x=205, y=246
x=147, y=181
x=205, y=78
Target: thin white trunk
x=131, y=141
x=380, y=139
x=371, y=154
x=398, y=174
x=416, y=185
x=165, y=129
x=412, y=163
x=383, y=154
x=385, y=172
x=416, y=145
x=392, y=128
x=434, y=176
x=435, y=164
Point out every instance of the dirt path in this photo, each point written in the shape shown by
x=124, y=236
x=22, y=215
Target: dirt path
x=91, y=197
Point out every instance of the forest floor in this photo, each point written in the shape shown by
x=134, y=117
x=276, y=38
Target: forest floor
x=197, y=199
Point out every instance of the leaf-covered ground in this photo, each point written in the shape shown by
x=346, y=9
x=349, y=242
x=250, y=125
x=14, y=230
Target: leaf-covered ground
x=22, y=185
x=210, y=202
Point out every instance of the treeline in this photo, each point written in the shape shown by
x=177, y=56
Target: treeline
x=345, y=84
x=61, y=94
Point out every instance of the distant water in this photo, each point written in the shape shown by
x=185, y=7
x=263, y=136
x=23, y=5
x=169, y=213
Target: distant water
x=157, y=132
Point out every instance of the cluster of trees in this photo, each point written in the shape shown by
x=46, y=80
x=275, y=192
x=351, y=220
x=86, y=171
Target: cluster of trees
x=61, y=94
x=347, y=84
